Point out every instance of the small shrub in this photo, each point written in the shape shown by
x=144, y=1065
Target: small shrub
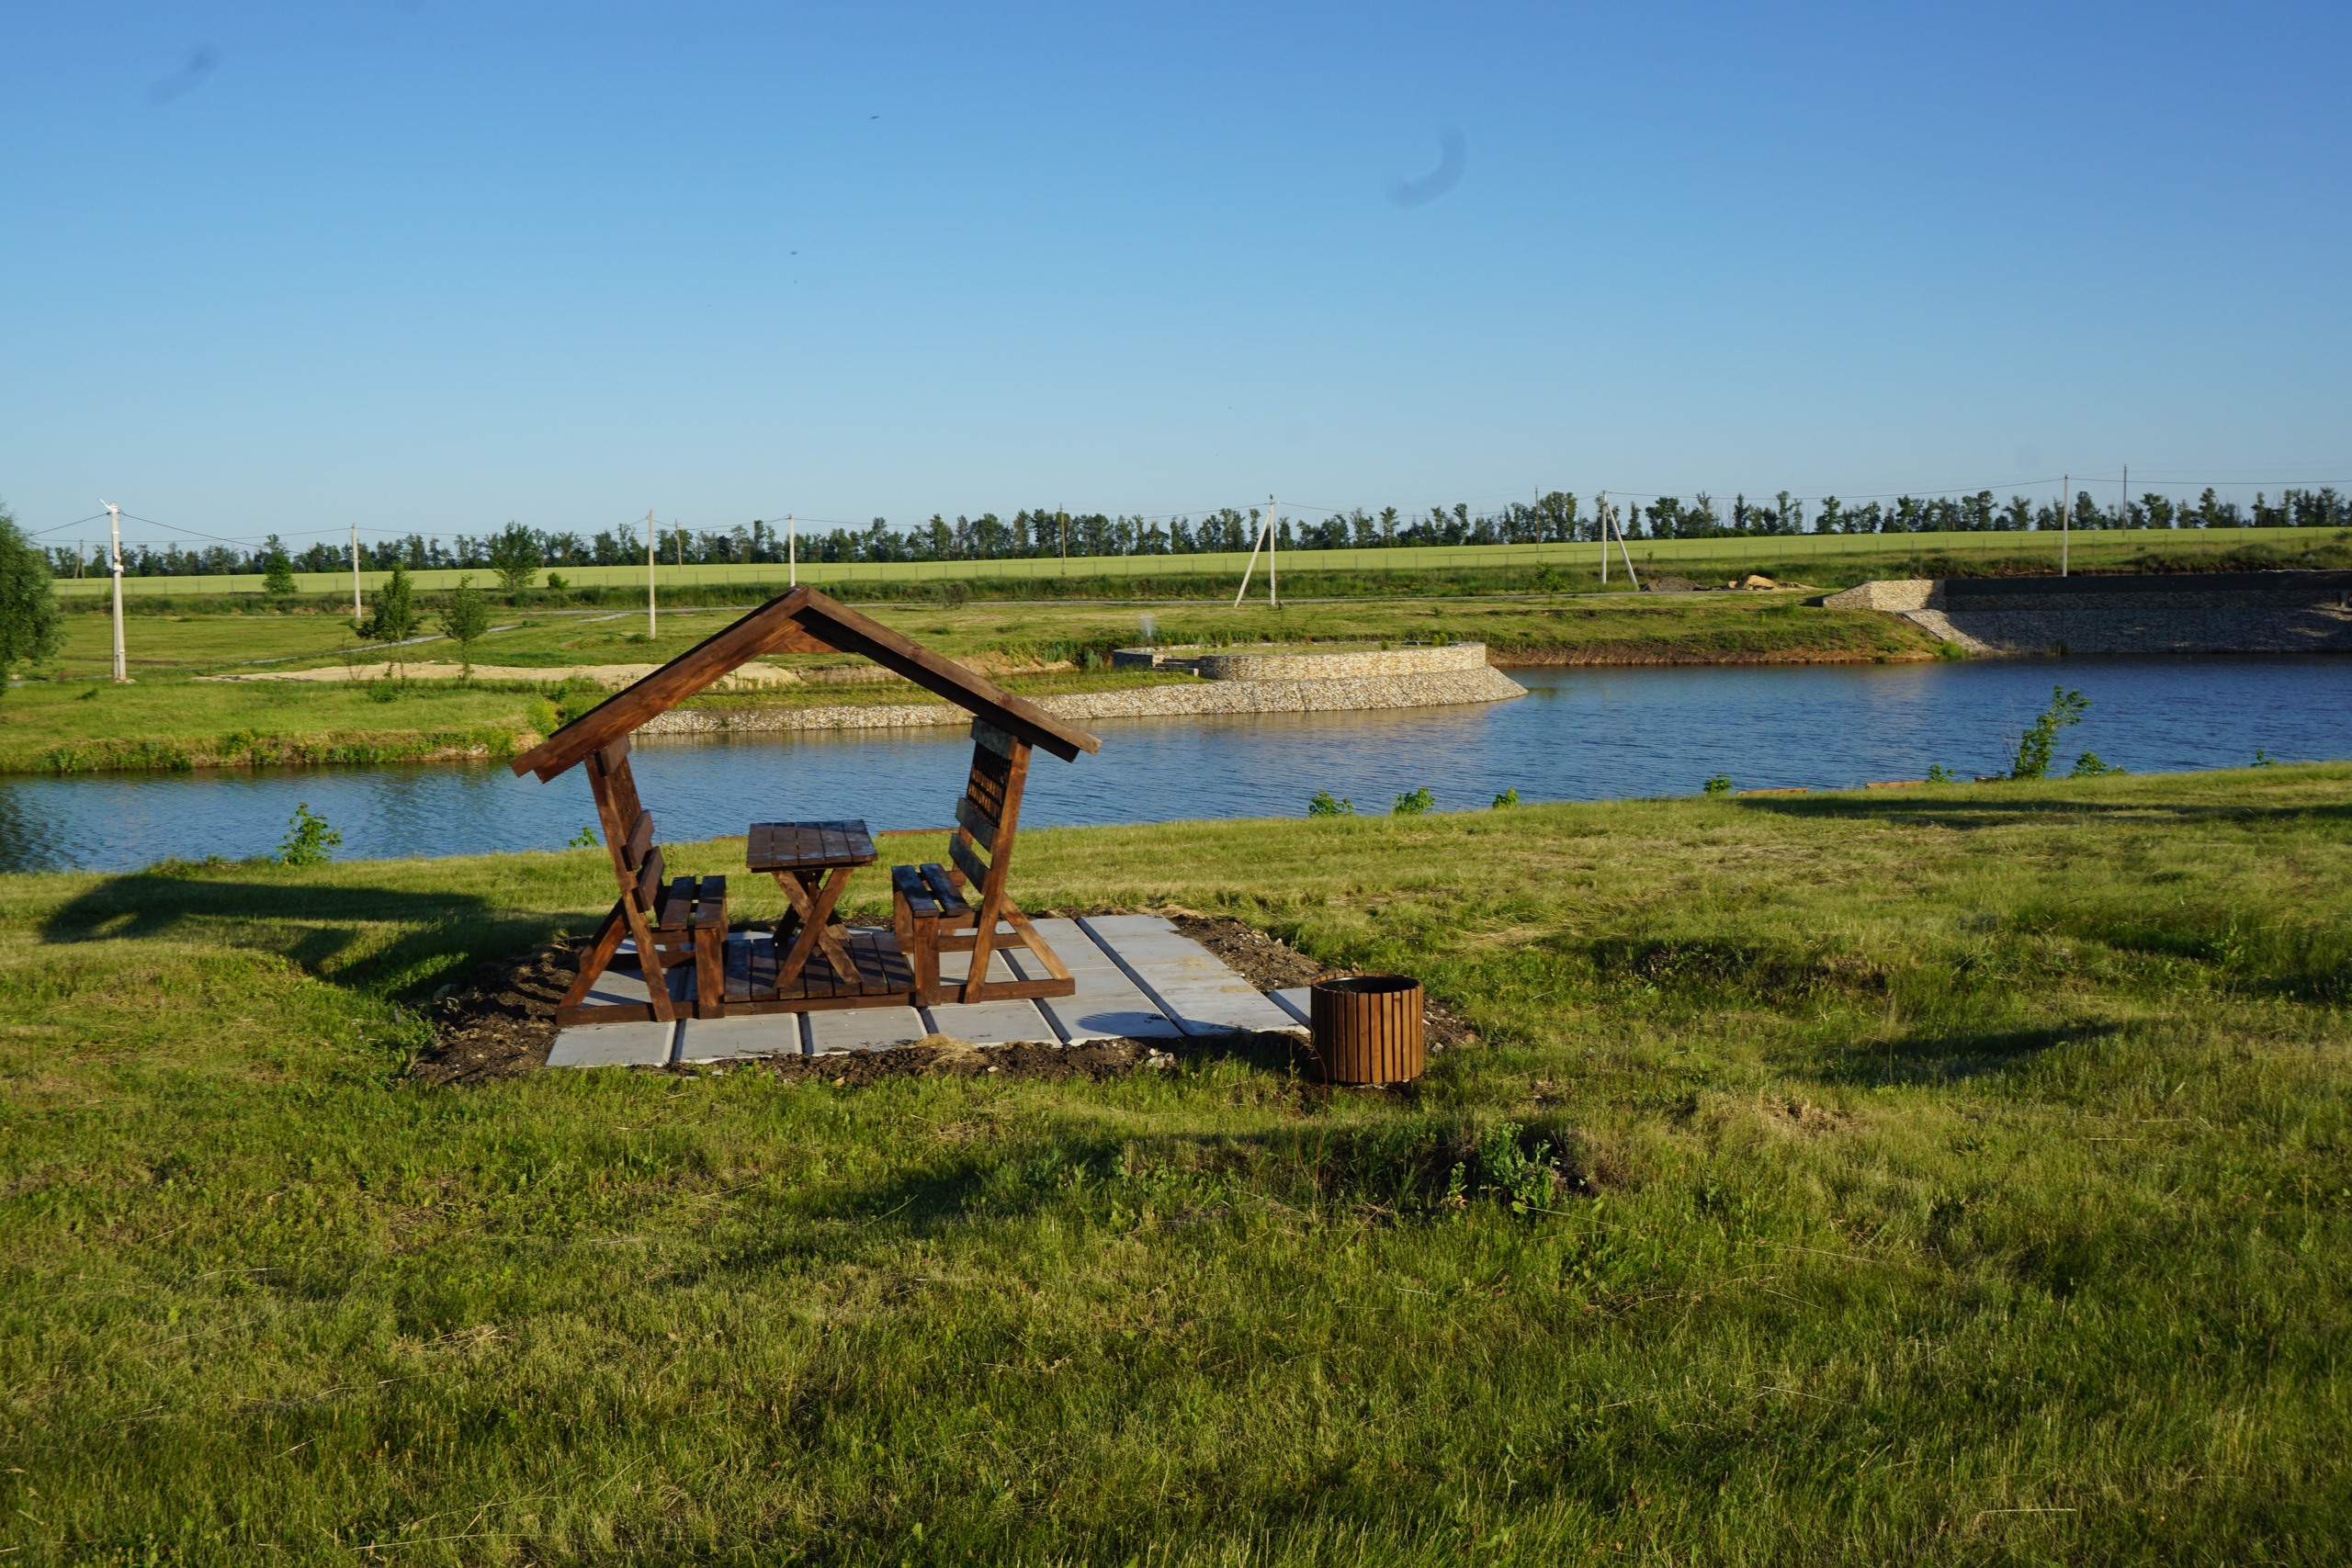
x=2262, y=758
x=1324, y=805
x=1413, y=803
x=2038, y=746
x=2089, y=766
x=308, y=838
x=1941, y=775
x=556, y=584
x=383, y=689
x=1949, y=650
x=1719, y=784
x=1507, y=798
x=1524, y=1181
x=277, y=582
x=543, y=717
x=583, y=840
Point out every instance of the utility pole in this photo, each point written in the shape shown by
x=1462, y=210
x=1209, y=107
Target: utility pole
x=1061, y=517
x=1263, y=539
x=2065, y=518
x=1274, y=595
x=652, y=628
x=354, y=571
x=121, y=664
x=791, y=552
x=1603, y=532
x=2123, y=518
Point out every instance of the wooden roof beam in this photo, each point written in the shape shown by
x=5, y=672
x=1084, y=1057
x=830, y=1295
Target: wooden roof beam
x=803, y=621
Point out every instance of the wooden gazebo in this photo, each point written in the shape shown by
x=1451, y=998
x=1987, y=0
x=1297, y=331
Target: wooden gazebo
x=694, y=966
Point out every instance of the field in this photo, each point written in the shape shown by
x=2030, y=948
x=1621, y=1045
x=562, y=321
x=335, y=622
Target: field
x=1956, y=1175
x=78, y=721
x=1836, y=560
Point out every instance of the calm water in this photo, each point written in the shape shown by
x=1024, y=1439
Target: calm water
x=1579, y=734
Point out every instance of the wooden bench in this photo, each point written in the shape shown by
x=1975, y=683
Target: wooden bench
x=932, y=904
x=676, y=924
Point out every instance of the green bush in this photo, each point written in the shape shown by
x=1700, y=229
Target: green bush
x=308, y=838
x=1325, y=805
x=1413, y=803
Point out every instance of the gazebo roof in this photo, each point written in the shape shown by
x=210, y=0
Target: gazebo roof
x=803, y=621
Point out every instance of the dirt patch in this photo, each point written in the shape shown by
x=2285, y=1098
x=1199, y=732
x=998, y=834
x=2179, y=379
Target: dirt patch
x=1802, y=1116
x=942, y=1056
x=499, y=1020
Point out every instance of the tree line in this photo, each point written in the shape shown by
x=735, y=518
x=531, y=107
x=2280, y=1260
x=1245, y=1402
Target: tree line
x=1032, y=532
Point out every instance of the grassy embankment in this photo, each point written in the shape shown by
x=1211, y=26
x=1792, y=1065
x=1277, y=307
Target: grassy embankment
x=1962, y=1174
x=79, y=722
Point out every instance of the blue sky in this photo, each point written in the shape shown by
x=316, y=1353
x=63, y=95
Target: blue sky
x=430, y=267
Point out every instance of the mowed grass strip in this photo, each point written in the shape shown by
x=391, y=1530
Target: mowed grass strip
x=1953, y=1175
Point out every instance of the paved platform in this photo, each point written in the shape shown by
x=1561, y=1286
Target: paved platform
x=1185, y=981
x=1138, y=977
x=618, y=1045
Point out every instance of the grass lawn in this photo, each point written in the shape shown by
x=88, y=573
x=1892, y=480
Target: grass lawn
x=1957, y=1175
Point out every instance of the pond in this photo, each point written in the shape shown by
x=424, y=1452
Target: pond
x=1581, y=734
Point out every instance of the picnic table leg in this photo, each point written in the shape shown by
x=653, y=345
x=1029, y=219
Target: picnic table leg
x=815, y=907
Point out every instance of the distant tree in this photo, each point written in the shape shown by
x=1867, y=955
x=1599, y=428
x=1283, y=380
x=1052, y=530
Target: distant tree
x=277, y=572
x=29, y=612
x=464, y=620
x=514, y=556
x=395, y=618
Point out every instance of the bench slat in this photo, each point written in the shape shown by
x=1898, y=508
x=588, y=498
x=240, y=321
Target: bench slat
x=970, y=865
x=980, y=824
x=641, y=839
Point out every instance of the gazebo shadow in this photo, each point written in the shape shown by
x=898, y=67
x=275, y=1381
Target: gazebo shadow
x=318, y=926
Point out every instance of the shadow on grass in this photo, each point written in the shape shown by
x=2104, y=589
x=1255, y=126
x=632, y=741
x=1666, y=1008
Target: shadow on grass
x=1952, y=1055
x=1993, y=806
x=331, y=930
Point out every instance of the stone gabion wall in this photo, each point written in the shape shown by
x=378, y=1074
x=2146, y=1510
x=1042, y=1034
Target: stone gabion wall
x=2285, y=611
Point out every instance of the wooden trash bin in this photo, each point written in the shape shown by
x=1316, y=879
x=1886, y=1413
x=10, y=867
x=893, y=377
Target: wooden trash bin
x=1368, y=1028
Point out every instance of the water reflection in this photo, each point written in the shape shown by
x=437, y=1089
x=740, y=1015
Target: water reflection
x=1581, y=734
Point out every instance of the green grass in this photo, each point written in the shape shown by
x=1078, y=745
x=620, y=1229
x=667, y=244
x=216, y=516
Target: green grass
x=1957, y=1175
x=1831, y=560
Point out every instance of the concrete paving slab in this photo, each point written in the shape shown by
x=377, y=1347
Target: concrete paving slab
x=1294, y=1002
x=730, y=1039
x=1119, y=926
x=991, y=1024
x=1183, y=980
x=613, y=1044
x=955, y=966
x=1107, y=1006
x=863, y=1029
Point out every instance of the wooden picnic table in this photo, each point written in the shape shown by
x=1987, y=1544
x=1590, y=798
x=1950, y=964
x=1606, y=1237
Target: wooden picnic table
x=812, y=862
